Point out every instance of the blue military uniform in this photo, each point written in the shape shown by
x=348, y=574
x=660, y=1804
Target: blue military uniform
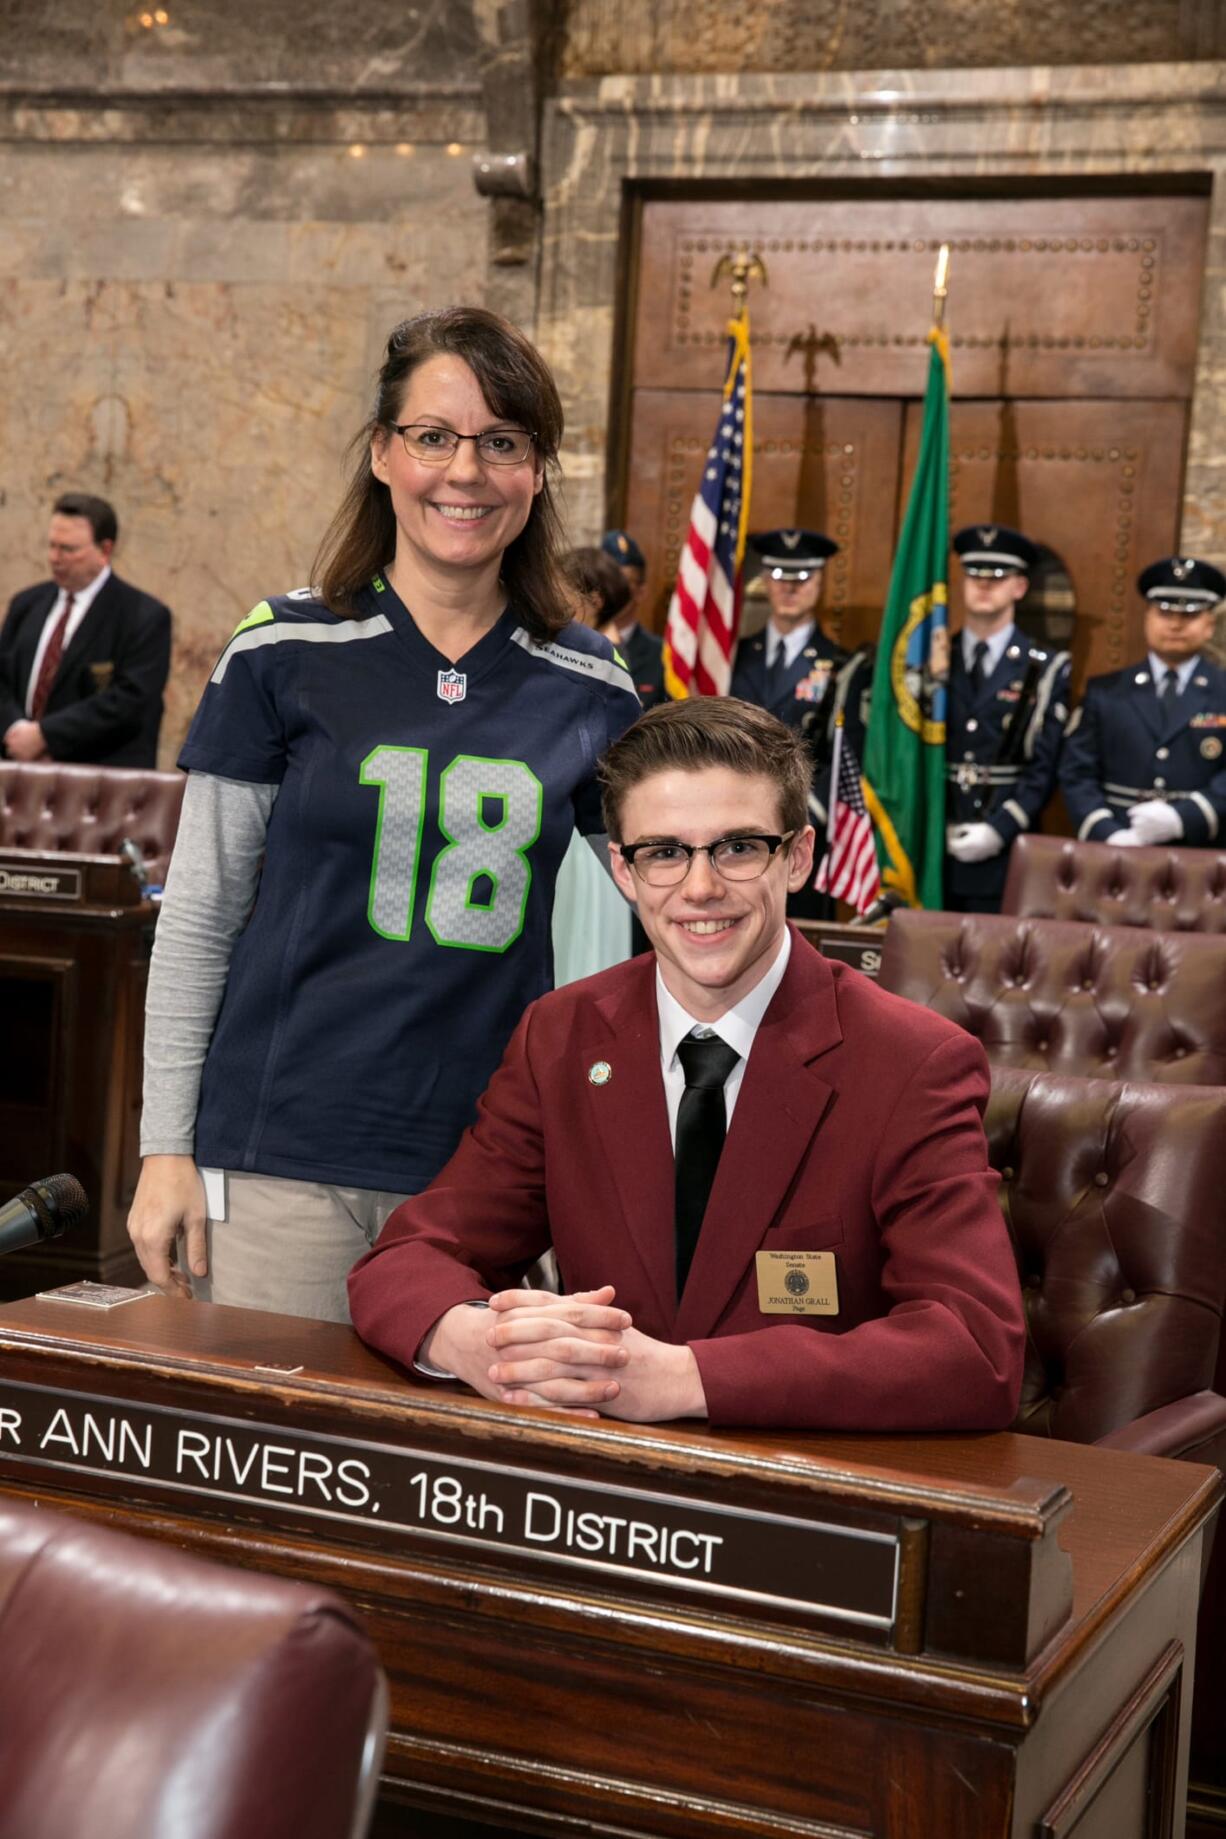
x=1008, y=796
x=995, y=774
x=643, y=651
x=1127, y=745
x=821, y=682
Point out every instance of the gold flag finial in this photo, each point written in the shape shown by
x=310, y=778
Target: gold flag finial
x=743, y=267
x=940, y=286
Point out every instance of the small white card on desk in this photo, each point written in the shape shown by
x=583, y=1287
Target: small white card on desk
x=94, y=1295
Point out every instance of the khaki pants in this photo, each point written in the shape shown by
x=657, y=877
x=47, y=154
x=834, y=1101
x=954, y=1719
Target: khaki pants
x=289, y=1245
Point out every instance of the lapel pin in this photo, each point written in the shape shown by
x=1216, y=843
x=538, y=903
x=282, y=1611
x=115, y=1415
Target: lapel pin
x=599, y=1073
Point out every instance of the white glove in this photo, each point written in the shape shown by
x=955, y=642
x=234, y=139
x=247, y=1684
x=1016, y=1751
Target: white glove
x=1123, y=839
x=973, y=842
x=1155, y=821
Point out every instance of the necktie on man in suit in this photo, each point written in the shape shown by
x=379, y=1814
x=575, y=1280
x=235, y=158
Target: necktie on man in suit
x=701, y=1127
x=1168, y=690
x=979, y=666
x=51, y=662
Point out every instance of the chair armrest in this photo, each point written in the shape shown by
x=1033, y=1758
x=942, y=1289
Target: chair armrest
x=1192, y=1427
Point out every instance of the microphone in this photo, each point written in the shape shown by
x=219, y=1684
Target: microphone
x=42, y=1211
x=881, y=909
x=131, y=853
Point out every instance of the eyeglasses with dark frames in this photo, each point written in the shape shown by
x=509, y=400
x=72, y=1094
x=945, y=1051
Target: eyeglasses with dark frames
x=435, y=446
x=733, y=858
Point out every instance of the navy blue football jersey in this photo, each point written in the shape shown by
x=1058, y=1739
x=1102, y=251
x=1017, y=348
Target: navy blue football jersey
x=402, y=923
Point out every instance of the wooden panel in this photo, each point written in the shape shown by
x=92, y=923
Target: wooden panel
x=1097, y=482
x=1048, y=296
x=829, y=464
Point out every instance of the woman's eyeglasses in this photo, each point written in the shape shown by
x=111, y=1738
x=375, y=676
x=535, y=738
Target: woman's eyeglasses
x=435, y=446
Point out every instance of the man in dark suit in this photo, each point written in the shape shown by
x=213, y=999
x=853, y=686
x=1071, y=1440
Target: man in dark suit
x=1008, y=705
x=840, y=1261
x=643, y=650
x=83, y=657
x=1143, y=761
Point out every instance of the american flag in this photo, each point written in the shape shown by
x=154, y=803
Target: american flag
x=705, y=611
x=849, y=867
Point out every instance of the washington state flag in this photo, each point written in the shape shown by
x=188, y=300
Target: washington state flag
x=904, y=756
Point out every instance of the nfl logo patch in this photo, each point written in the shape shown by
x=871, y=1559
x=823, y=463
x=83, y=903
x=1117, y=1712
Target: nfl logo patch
x=452, y=685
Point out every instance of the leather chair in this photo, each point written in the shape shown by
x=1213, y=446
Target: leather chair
x=1166, y=890
x=1113, y=1197
x=1107, y=1001
x=146, y=1694
x=89, y=811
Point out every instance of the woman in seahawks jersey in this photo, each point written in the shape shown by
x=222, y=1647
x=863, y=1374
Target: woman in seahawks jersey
x=384, y=774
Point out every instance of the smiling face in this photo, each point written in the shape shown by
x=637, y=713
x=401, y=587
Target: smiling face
x=714, y=939
x=457, y=518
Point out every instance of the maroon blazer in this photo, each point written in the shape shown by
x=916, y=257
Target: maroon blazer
x=857, y=1130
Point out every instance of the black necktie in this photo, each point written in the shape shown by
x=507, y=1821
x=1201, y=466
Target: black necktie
x=701, y=1124
x=979, y=664
x=1168, y=689
x=772, y=683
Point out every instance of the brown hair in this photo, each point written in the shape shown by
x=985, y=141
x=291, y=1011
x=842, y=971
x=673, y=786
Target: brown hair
x=591, y=571
x=708, y=731
x=515, y=381
x=99, y=514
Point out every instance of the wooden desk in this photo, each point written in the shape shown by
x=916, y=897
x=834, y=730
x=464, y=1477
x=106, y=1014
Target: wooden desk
x=656, y=1629
x=75, y=939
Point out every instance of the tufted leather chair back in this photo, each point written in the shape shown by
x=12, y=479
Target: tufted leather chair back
x=1166, y=890
x=89, y=810
x=146, y=1694
x=1114, y=1196
x=1104, y=1001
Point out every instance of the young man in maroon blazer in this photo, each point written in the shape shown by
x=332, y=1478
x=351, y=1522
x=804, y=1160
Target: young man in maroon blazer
x=765, y=1179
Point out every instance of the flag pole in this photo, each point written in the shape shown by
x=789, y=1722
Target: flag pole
x=940, y=288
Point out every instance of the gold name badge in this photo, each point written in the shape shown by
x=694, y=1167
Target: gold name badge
x=797, y=1283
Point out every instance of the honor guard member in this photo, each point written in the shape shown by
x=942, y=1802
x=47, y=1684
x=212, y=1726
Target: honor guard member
x=792, y=669
x=1008, y=704
x=643, y=650
x=1143, y=762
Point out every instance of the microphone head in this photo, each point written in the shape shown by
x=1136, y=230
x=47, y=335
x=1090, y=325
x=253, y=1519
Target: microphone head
x=59, y=1201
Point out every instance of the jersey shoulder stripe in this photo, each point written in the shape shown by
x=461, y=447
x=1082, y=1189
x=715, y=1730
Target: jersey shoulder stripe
x=296, y=618
x=601, y=664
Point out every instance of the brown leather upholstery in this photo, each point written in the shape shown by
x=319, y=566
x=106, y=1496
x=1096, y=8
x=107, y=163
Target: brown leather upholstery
x=1109, y=1001
x=1167, y=890
x=148, y=1695
x=1114, y=1198
x=89, y=810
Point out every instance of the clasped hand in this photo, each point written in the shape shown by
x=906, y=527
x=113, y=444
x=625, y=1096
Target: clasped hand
x=577, y=1353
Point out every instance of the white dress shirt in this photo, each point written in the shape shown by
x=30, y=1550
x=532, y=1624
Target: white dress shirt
x=996, y=648
x=793, y=642
x=1183, y=672
x=81, y=605
x=736, y=1028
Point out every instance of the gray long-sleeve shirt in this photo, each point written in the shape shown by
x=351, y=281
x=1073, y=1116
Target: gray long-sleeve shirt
x=210, y=888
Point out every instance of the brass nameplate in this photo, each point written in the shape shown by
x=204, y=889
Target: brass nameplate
x=848, y=1573
x=797, y=1283
x=41, y=883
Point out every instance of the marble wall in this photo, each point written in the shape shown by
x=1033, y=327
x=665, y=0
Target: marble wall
x=202, y=253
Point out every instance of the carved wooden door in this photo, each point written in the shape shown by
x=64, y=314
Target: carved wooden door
x=1073, y=323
